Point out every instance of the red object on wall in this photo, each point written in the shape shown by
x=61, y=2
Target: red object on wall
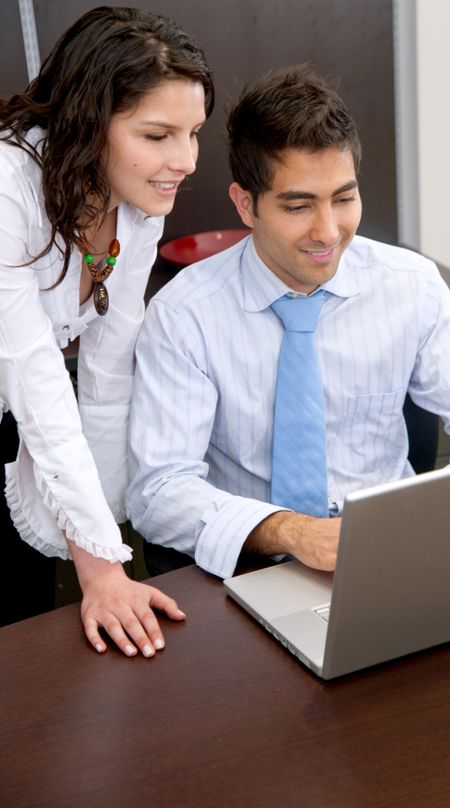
x=188, y=249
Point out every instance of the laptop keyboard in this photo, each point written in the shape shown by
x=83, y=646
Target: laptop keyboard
x=323, y=612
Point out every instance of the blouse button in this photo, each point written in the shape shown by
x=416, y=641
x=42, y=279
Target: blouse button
x=66, y=328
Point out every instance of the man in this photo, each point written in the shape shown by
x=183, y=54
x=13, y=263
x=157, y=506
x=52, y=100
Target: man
x=206, y=426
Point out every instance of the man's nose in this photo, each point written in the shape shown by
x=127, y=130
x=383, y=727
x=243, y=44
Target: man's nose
x=324, y=227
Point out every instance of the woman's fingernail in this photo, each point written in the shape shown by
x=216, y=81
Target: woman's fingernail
x=99, y=648
x=129, y=650
x=148, y=650
x=159, y=644
x=182, y=613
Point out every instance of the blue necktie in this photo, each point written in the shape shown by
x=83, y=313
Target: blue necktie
x=299, y=466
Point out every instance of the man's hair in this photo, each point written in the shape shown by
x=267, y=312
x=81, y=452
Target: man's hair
x=103, y=64
x=293, y=108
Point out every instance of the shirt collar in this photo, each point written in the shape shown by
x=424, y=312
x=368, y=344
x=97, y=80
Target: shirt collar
x=261, y=287
x=128, y=217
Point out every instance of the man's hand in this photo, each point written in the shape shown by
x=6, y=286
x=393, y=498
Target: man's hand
x=312, y=541
x=121, y=606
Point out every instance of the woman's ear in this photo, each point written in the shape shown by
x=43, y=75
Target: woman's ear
x=243, y=203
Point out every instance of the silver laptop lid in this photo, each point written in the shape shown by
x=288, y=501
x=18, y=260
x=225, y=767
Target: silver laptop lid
x=391, y=590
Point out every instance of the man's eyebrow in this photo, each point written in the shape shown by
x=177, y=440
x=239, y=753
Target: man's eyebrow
x=290, y=196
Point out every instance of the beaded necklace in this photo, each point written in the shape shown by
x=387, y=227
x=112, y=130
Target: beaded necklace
x=100, y=294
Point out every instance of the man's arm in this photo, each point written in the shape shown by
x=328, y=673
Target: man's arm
x=430, y=381
x=312, y=541
x=170, y=500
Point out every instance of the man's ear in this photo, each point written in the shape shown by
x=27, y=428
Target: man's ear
x=243, y=203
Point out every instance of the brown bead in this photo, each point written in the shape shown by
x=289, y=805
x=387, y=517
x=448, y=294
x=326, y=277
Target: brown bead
x=114, y=248
x=101, y=299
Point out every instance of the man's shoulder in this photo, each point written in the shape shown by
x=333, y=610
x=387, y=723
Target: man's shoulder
x=214, y=276
x=366, y=253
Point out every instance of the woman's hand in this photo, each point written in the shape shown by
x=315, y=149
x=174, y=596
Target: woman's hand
x=121, y=606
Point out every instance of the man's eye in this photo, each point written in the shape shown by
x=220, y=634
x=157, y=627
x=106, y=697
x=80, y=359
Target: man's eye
x=295, y=208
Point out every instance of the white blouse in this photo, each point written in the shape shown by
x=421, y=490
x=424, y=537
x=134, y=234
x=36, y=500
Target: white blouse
x=65, y=450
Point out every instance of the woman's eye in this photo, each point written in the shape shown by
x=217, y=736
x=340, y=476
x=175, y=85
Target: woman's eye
x=155, y=137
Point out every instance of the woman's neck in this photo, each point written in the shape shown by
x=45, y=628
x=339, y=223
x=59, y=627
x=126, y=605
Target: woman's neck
x=98, y=235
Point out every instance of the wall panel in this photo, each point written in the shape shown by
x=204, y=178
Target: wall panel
x=13, y=68
x=347, y=39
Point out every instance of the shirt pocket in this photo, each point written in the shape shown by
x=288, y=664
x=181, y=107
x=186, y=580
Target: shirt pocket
x=373, y=432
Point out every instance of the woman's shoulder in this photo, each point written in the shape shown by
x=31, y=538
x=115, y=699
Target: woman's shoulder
x=20, y=174
x=15, y=157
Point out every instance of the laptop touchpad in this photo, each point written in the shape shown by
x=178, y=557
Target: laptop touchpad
x=306, y=631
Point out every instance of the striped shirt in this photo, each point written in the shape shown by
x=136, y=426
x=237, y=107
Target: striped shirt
x=202, y=416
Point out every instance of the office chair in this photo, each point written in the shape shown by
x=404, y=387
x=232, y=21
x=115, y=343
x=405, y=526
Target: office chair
x=423, y=436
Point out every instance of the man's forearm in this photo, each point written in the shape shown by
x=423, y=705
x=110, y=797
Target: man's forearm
x=312, y=541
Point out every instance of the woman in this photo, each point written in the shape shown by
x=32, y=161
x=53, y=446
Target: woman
x=91, y=158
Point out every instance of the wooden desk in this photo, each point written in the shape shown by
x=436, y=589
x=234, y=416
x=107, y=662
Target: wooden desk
x=224, y=716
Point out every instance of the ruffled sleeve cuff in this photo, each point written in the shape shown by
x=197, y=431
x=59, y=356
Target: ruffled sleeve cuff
x=42, y=521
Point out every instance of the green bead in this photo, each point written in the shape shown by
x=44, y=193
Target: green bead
x=89, y=258
x=110, y=260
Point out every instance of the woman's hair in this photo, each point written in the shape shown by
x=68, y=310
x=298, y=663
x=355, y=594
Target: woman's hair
x=293, y=108
x=102, y=65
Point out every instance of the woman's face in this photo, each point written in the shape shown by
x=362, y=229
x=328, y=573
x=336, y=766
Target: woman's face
x=153, y=147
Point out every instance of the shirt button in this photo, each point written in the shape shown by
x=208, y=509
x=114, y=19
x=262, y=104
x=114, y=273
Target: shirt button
x=66, y=328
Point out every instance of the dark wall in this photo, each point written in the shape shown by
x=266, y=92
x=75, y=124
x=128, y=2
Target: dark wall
x=13, y=69
x=350, y=40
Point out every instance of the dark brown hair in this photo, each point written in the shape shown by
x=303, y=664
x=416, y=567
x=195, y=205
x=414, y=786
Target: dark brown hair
x=291, y=108
x=101, y=65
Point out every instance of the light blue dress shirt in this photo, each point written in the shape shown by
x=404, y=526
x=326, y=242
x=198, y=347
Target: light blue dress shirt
x=207, y=355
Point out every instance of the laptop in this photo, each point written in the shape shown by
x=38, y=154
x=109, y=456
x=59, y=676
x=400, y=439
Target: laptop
x=389, y=595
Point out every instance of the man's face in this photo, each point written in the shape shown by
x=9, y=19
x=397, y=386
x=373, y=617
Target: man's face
x=304, y=223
